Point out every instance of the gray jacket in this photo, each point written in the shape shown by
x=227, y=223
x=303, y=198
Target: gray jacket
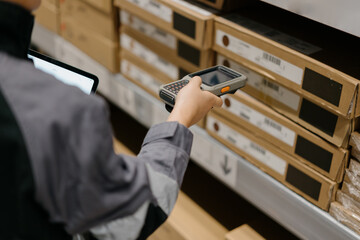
x=79, y=179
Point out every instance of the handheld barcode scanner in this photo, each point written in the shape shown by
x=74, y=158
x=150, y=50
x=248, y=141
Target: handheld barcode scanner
x=218, y=80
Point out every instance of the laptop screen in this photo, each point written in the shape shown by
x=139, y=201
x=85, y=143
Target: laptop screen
x=70, y=75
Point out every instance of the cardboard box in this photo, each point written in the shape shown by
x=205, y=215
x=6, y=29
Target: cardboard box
x=188, y=221
x=188, y=22
x=352, y=178
x=103, y=5
x=146, y=75
x=225, y=5
x=351, y=190
x=142, y=75
x=99, y=22
x=244, y=232
x=98, y=47
x=166, y=44
x=354, y=167
x=355, y=145
x=348, y=202
x=292, y=173
x=148, y=57
x=355, y=154
x=48, y=15
x=345, y=216
x=314, y=64
x=355, y=140
x=157, y=49
x=333, y=128
x=245, y=111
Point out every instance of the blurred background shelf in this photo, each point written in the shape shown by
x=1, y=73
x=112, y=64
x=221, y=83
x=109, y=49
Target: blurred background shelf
x=342, y=15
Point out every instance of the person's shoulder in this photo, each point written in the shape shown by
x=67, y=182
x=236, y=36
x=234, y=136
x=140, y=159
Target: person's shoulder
x=44, y=90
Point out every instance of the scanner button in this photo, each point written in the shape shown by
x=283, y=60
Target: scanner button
x=225, y=89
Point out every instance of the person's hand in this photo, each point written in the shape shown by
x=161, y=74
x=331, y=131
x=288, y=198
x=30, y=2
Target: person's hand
x=192, y=104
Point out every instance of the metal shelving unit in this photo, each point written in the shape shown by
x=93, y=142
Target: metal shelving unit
x=343, y=15
x=286, y=207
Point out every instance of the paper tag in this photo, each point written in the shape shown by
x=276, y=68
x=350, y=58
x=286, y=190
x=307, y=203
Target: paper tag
x=241, y=142
x=126, y=98
x=149, y=56
x=148, y=29
x=260, y=57
x=282, y=38
x=139, y=75
x=268, y=88
x=193, y=7
x=225, y=164
x=201, y=150
x=155, y=8
x=215, y=158
x=261, y=121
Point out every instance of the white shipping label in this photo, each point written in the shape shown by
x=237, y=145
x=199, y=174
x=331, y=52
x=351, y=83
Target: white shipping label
x=126, y=99
x=139, y=75
x=149, y=56
x=124, y=17
x=260, y=57
x=149, y=30
x=260, y=121
x=268, y=88
x=193, y=7
x=155, y=8
x=243, y=143
x=201, y=150
x=225, y=164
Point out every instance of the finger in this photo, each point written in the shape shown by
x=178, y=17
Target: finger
x=196, y=80
x=218, y=102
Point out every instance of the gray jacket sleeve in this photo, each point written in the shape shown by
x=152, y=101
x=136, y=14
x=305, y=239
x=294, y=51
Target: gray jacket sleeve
x=91, y=185
x=79, y=179
x=165, y=154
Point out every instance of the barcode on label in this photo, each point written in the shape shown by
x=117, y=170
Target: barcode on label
x=271, y=85
x=157, y=5
x=163, y=61
x=257, y=148
x=142, y=29
x=272, y=124
x=243, y=115
x=158, y=31
x=272, y=58
x=232, y=140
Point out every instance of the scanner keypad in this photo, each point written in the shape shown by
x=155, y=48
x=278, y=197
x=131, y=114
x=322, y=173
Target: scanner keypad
x=176, y=86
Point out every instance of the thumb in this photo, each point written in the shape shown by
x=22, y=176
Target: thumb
x=196, y=80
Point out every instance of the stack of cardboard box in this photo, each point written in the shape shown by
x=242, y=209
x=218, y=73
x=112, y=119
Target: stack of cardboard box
x=92, y=26
x=48, y=15
x=162, y=41
x=300, y=105
x=346, y=208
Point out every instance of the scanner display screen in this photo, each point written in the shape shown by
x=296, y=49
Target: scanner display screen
x=214, y=76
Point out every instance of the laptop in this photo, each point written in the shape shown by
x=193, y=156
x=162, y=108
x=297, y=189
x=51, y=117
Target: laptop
x=87, y=82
